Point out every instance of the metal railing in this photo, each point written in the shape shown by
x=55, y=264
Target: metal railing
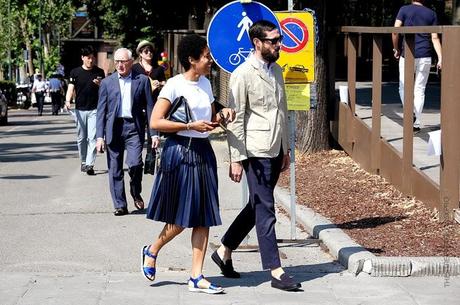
x=366, y=145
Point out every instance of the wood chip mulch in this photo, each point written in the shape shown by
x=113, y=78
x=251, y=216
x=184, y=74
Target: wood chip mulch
x=370, y=210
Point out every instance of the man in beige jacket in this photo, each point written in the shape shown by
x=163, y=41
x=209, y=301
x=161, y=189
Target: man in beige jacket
x=258, y=140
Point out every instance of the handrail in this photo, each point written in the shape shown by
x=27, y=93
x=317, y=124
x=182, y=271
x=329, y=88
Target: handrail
x=399, y=30
x=352, y=135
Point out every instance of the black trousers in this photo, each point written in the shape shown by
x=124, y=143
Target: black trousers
x=262, y=175
x=56, y=102
x=40, y=97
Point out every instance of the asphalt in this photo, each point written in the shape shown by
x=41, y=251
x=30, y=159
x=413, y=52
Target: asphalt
x=60, y=243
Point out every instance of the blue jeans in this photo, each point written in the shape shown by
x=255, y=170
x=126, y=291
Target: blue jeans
x=86, y=135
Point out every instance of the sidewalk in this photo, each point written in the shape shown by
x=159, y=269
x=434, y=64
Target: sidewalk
x=65, y=248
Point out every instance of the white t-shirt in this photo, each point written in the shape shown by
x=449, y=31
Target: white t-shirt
x=199, y=98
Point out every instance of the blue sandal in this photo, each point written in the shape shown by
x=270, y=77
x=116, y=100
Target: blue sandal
x=148, y=272
x=212, y=289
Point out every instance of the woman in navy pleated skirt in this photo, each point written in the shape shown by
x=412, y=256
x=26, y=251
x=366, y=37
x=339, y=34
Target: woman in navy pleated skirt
x=184, y=193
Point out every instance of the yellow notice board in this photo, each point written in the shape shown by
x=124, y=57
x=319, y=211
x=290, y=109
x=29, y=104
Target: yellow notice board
x=297, y=56
x=298, y=96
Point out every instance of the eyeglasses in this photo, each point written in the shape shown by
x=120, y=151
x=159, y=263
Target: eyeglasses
x=273, y=41
x=146, y=51
x=121, y=61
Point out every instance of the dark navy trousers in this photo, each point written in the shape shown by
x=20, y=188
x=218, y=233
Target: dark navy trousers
x=125, y=137
x=262, y=175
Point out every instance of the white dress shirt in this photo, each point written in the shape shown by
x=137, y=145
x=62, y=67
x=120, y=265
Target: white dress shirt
x=124, y=111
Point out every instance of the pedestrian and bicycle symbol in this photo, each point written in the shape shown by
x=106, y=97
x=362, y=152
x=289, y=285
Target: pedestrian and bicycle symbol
x=228, y=32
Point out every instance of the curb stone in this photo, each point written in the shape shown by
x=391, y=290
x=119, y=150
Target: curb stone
x=356, y=258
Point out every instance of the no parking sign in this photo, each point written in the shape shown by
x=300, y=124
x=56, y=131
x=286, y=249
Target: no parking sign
x=297, y=56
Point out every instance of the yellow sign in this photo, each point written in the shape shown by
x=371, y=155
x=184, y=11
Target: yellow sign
x=298, y=96
x=297, y=56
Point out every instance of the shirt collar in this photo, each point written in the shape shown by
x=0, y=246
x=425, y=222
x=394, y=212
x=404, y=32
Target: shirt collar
x=125, y=77
x=261, y=64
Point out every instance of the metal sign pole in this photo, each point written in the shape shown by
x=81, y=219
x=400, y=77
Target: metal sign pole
x=291, y=118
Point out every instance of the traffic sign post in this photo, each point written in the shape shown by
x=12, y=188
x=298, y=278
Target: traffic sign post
x=297, y=59
x=230, y=46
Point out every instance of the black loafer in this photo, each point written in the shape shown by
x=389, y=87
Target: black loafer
x=120, y=211
x=285, y=283
x=225, y=268
x=90, y=170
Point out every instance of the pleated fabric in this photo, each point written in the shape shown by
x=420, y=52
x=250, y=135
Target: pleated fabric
x=185, y=188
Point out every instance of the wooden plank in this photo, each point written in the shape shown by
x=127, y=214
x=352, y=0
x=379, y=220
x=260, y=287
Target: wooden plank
x=376, y=103
x=450, y=125
x=408, y=133
x=389, y=30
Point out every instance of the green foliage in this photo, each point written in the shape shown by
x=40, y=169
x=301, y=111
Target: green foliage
x=52, y=61
x=20, y=29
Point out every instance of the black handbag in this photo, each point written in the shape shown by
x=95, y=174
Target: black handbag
x=150, y=162
x=179, y=112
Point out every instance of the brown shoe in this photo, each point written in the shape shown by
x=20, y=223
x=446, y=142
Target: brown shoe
x=139, y=204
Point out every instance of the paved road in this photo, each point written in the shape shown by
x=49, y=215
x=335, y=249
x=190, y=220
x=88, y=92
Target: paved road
x=60, y=243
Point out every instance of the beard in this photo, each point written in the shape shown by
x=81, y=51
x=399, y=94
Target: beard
x=269, y=56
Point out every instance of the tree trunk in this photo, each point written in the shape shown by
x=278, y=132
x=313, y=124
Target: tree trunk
x=312, y=126
x=23, y=25
x=456, y=12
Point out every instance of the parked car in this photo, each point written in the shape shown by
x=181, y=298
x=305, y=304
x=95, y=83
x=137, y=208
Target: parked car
x=3, y=109
x=23, y=100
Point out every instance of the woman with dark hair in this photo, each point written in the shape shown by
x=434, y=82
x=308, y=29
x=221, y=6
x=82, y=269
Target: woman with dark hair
x=147, y=64
x=184, y=194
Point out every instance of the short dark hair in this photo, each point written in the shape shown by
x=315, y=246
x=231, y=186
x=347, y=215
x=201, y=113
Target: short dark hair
x=190, y=46
x=258, y=29
x=86, y=51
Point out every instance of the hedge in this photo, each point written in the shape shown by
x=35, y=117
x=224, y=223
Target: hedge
x=9, y=90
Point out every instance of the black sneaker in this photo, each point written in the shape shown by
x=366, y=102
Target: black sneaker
x=90, y=170
x=83, y=168
x=285, y=283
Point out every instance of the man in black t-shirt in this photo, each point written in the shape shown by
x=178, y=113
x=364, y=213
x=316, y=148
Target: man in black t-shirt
x=416, y=14
x=84, y=81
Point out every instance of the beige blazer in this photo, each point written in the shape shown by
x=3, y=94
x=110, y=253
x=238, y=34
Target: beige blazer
x=260, y=126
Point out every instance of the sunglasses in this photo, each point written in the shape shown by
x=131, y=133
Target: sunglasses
x=146, y=51
x=273, y=41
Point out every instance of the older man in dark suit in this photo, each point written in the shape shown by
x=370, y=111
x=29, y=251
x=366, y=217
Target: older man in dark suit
x=124, y=99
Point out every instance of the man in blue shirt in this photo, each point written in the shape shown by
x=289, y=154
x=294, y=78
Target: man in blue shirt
x=416, y=14
x=56, y=89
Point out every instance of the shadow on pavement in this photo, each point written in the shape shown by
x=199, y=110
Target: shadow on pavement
x=25, y=177
x=23, y=152
x=300, y=273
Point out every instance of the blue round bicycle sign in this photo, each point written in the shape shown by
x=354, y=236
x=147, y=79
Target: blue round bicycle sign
x=228, y=32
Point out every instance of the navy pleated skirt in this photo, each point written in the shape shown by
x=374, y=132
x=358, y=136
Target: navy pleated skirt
x=185, y=189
